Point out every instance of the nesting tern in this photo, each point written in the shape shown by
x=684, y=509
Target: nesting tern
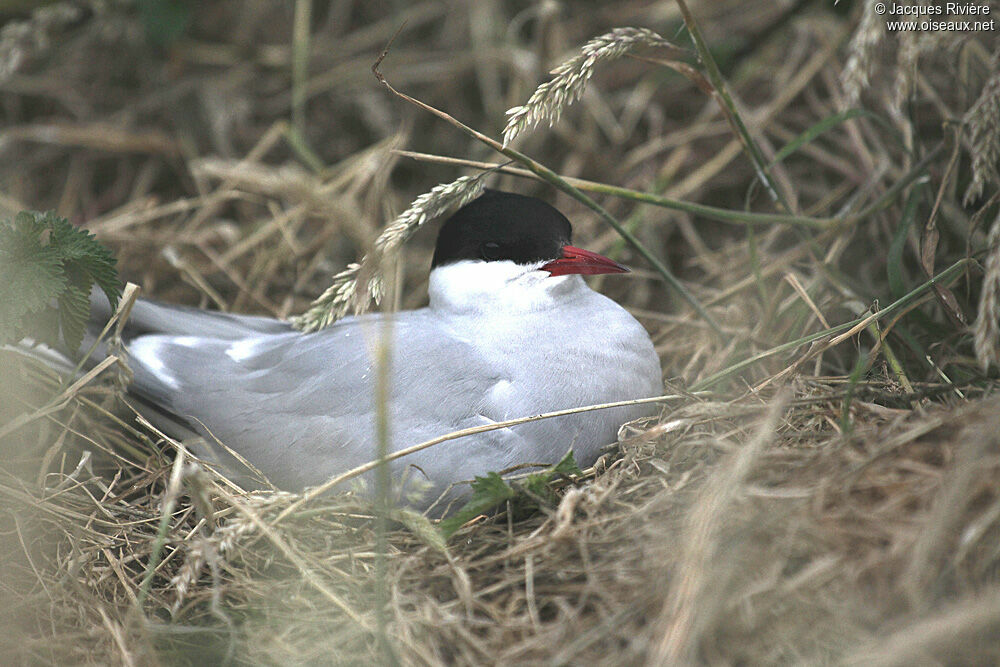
x=511, y=330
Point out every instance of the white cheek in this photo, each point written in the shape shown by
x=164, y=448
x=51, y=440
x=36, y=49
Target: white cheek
x=496, y=287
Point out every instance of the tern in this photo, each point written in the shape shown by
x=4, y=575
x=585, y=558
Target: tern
x=511, y=330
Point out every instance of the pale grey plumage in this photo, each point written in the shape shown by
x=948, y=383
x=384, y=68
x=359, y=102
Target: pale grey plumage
x=300, y=407
x=511, y=331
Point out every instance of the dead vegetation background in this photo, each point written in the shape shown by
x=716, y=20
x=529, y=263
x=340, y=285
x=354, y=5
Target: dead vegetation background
x=835, y=501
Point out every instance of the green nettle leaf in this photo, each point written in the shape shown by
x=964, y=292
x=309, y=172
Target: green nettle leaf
x=567, y=466
x=30, y=274
x=84, y=254
x=47, y=269
x=487, y=492
x=492, y=491
x=538, y=483
x=74, y=309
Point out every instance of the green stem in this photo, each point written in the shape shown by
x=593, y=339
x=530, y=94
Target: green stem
x=729, y=107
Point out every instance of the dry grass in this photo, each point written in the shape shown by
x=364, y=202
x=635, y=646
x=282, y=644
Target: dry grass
x=835, y=501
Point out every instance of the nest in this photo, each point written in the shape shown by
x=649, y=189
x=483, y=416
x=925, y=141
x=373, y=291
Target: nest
x=734, y=531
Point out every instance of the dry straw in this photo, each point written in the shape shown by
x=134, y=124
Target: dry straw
x=987, y=327
x=983, y=121
x=570, y=78
x=855, y=77
x=342, y=294
x=19, y=40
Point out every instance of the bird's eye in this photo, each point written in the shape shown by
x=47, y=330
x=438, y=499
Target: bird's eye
x=490, y=250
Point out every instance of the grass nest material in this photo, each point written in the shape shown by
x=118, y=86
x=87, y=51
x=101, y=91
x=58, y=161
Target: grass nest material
x=823, y=491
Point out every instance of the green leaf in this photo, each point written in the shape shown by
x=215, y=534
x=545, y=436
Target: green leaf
x=538, y=483
x=74, y=310
x=567, y=466
x=30, y=274
x=492, y=491
x=487, y=492
x=47, y=270
x=83, y=253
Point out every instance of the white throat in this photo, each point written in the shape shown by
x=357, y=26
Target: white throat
x=473, y=286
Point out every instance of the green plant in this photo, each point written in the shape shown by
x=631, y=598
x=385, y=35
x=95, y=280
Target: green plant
x=492, y=491
x=47, y=269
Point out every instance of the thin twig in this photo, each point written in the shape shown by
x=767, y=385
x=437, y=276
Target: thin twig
x=323, y=488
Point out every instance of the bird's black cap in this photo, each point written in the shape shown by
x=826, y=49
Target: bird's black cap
x=502, y=225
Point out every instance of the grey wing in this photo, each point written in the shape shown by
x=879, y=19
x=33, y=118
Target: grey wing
x=152, y=317
x=260, y=395
x=301, y=407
